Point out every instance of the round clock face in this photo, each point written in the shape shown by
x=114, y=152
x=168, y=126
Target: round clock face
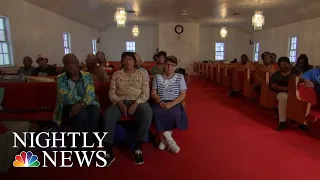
x=178, y=29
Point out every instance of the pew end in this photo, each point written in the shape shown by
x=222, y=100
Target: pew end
x=297, y=108
x=248, y=85
x=267, y=96
x=237, y=79
x=227, y=75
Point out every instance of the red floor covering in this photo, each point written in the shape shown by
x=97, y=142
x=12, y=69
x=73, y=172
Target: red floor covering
x=228, y=139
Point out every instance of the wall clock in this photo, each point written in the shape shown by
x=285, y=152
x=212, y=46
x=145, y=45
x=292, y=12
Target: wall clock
x=178, y=29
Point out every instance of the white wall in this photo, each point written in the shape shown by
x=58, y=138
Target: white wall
x=152, y=37
x=277, y=39
x=37, y=31
x=184, y=46
x=236, y=43
x=113, y=42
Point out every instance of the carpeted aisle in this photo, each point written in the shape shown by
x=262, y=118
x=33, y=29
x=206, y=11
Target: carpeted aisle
x=228, y=139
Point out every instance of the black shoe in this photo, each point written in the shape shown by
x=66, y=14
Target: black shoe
x=110, y=158
x=281, y=126
x=304, y=128
x=137, y=156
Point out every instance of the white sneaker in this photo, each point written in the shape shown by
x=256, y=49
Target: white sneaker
x=162, y=145
x=173, y=147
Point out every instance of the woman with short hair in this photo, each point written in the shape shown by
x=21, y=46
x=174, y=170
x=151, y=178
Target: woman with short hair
x=129, y=92
x=168, y=92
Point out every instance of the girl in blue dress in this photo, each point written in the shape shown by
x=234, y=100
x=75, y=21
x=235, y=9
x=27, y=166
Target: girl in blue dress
x=168, y=92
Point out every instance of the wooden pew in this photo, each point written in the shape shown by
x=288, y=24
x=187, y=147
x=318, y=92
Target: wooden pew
x=237, y=79
x=300, y=100
x=206, y=70
x=219, y=73
x=267, y=96
x=249, y=82
x=227, y=74
x=213, y=70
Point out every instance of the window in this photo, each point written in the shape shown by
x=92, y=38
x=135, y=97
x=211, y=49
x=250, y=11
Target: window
x=293, y=49
x=256, y=51
x=131, y=46
x=219, y=51
x=6, y=58
x=66, y=43
x=94, y=46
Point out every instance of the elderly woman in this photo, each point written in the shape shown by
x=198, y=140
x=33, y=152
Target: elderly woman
x=129, y=92
x=168, y=92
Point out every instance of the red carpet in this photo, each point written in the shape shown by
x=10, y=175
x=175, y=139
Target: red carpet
x=228, y=139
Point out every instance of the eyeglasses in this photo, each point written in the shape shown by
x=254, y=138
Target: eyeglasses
x=171, y=65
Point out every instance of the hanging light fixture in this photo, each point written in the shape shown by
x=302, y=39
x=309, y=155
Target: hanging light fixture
x=223, y=32
x=135, y=31
x=258, y=20
x=120, y=17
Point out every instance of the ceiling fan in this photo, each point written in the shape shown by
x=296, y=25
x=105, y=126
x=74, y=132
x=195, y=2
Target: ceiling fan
x=186, y=15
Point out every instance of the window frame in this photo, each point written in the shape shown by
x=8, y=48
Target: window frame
x=68, y=42
x=256, y=51
x=94, y=46
x=292, y=52
x=130, y=46
x=7, y=42
x=221, y=45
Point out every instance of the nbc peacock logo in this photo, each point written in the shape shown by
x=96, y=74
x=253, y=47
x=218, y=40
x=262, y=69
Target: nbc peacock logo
x=26, y=159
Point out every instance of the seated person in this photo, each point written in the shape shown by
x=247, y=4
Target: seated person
x=245, y=63
x=139, y=62
x=303, y=63
x=27, y=68
x=168, y=92
x=97, y=73
x=234, y=61
x=311, y=79
x=266, y=66
x=76, y=99
x=102, y=61
x=279, y=82
x=159, y=67
x=44, y=69
x=273, y=62
x=129, y=92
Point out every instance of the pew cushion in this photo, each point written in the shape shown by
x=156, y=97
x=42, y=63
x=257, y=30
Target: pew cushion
x=27, y=116
x=307, y=94
x=40, y=79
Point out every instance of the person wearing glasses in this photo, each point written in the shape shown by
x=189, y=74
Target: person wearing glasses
x=168, y=92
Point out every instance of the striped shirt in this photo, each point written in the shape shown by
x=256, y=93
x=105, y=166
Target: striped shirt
x=169, y=89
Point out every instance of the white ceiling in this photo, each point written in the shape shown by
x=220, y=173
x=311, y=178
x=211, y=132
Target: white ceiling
x=98, y=14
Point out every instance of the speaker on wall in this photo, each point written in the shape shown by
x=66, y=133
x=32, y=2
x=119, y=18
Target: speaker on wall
x=98, y=40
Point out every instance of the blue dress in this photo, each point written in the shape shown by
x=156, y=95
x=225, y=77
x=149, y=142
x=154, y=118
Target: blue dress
x=168, y=90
